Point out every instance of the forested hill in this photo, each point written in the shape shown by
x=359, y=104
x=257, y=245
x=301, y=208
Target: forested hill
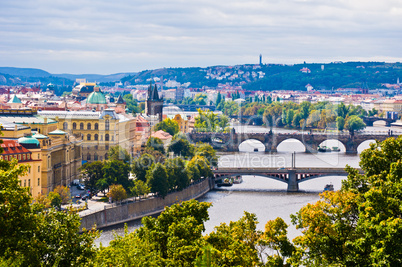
x=269, y=77
x=266, y=77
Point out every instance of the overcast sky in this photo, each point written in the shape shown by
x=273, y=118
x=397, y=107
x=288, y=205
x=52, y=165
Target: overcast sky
x=111, y=36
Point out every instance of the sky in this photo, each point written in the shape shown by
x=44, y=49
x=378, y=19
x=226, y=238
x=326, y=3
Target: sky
x=113, y=36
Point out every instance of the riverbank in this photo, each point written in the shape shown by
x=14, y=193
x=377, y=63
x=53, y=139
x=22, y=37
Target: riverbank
x=129, y=211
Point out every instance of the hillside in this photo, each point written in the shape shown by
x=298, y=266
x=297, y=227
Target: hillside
x=266, y=77
x=24, y=72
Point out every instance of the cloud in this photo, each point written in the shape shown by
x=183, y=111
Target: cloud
x=113, y=36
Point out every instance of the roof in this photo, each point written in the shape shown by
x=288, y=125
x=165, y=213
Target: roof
x=120, y=100
x=23, y=119
x=90, y=115
x=161, y=135
x=58, y=132
x=12, y=147
x=109, y=112
x=15, y=100
x=28, y=140
x=39, y=136
x=9, y=126
x=96, y=98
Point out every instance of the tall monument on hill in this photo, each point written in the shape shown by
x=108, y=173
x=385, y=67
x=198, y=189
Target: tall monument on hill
x=154, y=104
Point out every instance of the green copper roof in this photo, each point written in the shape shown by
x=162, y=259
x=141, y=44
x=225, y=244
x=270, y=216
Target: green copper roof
x=58, y=132
x=96, y=98
x=15, y=100
x=28, y=140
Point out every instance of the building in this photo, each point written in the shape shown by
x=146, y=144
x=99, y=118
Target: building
x=53, y=159
x=184, y=123
x=154, y=103
x=15, y=149
x=99, y=130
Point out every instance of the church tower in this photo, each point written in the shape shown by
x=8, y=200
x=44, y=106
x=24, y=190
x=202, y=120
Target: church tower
x=154, y=104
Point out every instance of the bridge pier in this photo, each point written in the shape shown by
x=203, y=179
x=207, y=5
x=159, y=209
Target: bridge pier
x=293, y=186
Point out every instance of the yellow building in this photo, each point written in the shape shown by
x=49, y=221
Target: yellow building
x=58, y=152
x=185, y=125
x=99, y=130
x=15, y=150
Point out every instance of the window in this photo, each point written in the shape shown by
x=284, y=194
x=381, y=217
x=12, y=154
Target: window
x=25, y=183
x=106, y=156
x=96, y=126
x=74, y=126
x=38, y=168
x=107, y=147
x=96, y=147
x=96, y=156
x=89, y=126
x=107, y=125
x=81, y=126
x=29, y=156
x=29, y=182
x=96, y=137
x=38, y=156
x=65, y=126
x=38, y=181
x=24, y=157
x=88, y=137
x=101, y=158
x=19, y=156
x=88, y=156
x=106, y=137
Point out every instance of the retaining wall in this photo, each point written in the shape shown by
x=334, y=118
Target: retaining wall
x=136, y=210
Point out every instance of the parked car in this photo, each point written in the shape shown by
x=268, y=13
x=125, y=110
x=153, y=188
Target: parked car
x=81, y=186
x=84, y=197
x=78, y=196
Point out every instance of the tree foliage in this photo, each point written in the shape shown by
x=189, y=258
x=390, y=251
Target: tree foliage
x=168, y=125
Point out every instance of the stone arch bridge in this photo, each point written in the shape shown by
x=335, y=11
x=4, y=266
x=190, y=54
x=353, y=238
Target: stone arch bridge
x=311, y=141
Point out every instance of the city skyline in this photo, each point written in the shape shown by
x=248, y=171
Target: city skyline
x=121, y=36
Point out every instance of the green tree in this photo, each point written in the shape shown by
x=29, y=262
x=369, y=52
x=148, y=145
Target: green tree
x=139, y=188
x=64, y=193
x=116, y=172
x=141, y=166
x=359, y=225
x=92, y=173
x=117, y=192
x=156, y=144
x=181, y=146
x=340, y=123
x=33, y=236
x=157, y=179
x=354, y=124
x=118, y=153
x=174, y=238
x=207, y=151
x=177, y=173
x=236, y=243
x=198, y=167
x=168, y=125
x=55, y=200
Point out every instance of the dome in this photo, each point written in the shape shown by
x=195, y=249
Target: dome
x=29, y=142
x=96, y=98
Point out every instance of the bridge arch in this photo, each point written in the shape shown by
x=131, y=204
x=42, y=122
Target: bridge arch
x=291, y=145
x=364, y=145
x=252, y=145
x=332, y=143
x=380, y=123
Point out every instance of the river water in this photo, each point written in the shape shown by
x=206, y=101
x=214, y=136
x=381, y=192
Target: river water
x=265, y=197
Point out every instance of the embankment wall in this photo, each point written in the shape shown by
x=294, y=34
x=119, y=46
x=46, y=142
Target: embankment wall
x=135, y=210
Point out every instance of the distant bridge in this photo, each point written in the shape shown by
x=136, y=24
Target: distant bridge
x=370, y=120
x=231, y=141
x=291, y=176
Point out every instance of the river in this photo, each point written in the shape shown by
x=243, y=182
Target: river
x=265, y=197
